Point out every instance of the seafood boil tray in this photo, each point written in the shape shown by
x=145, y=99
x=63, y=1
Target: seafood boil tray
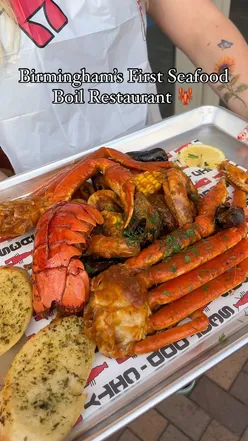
x=119, y=390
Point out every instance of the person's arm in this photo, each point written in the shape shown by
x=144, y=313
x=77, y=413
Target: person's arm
x=211, y=41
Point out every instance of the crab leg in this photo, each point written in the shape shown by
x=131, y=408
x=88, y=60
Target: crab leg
x=235, y=175
x=175, y=312
x=127, y=161
x=16, y=217
x=188, y=306
x=198, y=323
x=207, y=207
x=177, y=186
x=176, y=288
x=51, y=183
x=172, y=243
x=216, y=196
x=195, y=256
x=239, y=198
x=185, y=236
x=107, y=153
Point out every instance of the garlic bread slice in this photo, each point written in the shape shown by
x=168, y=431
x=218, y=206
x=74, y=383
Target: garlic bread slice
x=15, y=305
x=43, y=397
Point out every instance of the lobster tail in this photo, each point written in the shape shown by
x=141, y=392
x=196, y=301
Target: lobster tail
x=59, y=277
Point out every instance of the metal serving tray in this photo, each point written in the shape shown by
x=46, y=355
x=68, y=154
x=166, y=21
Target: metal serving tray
x=211, y=125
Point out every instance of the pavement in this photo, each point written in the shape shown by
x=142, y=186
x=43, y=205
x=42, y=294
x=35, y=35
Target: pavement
x=215, y=410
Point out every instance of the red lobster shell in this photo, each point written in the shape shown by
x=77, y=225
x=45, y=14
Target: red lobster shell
x=59, y=277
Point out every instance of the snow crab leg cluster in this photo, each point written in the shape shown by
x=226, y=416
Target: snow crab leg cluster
x=198, y=268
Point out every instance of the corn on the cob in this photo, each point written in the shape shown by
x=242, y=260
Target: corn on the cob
x=148, y=182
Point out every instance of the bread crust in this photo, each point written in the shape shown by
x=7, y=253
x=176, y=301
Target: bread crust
x=15, y=305
x=43, y=394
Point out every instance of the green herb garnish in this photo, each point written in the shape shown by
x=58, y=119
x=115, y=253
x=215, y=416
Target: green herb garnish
x=166, y=293
x=187, y=259
x=190, y=233
x=222, y=338
x=153, y=219
x=205, y=287
x=173, y=268
x=177, y=247
x=89, y=269
x=133, y=237
x=167, y=259
x=195, y=197
x=172, y=245
x=190, y=155
x=195, y=251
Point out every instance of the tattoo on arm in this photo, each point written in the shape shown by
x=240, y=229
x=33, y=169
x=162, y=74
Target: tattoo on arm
x=225, y=44
x=231, y=88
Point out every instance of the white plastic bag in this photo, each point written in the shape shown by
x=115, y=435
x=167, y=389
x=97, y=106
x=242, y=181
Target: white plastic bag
x=98, y=35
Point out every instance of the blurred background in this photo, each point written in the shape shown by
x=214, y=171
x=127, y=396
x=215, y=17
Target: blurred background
x=163, y=55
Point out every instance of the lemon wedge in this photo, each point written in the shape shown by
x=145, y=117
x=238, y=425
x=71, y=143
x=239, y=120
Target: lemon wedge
x=201, y=155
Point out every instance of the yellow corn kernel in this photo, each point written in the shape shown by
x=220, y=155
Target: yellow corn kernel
x=148, y=182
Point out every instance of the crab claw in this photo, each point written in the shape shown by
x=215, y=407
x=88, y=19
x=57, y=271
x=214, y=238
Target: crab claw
x=235, y=175
x=118, y=178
